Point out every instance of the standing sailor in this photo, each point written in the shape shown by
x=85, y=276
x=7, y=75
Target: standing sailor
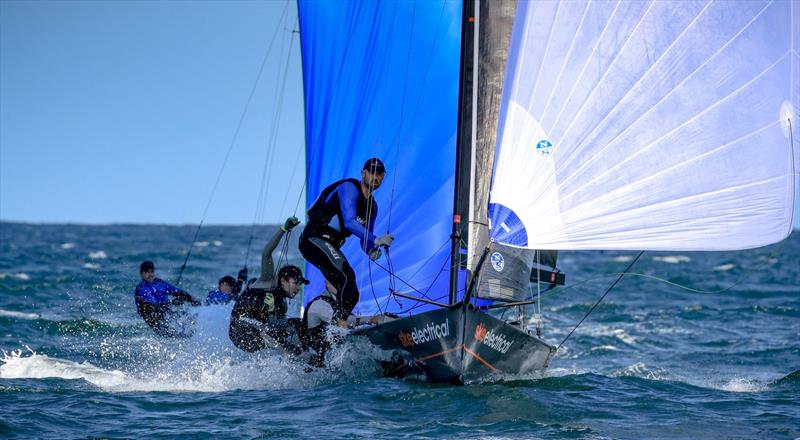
x=344, y=208
x=152, y=300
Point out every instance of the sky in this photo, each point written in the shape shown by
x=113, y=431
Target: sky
x=124, y=111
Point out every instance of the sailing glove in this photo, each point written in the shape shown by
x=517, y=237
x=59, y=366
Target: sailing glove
x=375, y=253
x=242, y=276
x=384, y=240
x=290, y=223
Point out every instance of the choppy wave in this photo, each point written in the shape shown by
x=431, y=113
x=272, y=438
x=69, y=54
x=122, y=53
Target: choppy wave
x=19, y=315
x=98, y=255
x=206, y=362
x=793, y=377
x=641, y=370
x=672, y=259
x=22, y=276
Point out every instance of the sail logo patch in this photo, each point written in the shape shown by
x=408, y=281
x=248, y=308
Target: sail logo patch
x=498, y=262
x=426, y=334
x=493, y=340
x=544, y=148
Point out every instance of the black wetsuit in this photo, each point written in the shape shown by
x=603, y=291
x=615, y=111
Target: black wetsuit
x=339, y=212
x=256, y=308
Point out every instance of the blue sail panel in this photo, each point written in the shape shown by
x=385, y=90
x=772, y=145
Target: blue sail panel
x=381, y=80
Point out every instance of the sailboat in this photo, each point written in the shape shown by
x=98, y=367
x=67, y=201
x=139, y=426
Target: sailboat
x=513, y=130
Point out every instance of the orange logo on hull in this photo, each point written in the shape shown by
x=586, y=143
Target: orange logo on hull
x=480, y=332
x=406, y=339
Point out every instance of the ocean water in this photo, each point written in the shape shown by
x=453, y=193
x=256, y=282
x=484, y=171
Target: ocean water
x=655, y=360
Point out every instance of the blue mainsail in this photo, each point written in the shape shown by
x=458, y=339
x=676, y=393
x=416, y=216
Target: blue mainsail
x=381, y=80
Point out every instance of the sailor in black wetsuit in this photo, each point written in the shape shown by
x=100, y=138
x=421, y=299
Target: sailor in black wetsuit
x=261, y=312
x=264, y=301
x=153, y=302
x=344, y=208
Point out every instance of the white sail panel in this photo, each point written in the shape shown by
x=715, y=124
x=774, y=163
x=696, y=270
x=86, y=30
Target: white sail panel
x=648, y=125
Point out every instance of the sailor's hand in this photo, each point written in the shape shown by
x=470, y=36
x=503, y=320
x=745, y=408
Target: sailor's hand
x=375, y=253
x=290, y=223
x=384, y=240
x=242, y=276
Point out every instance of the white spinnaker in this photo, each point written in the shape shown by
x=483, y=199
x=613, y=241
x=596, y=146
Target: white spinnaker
x=667, y=122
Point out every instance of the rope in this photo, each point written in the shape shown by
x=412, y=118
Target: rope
x=270, y=150
x=230, y=147
x=601, y=299
x=284, y=255
x=402, y=112
x=791, y=161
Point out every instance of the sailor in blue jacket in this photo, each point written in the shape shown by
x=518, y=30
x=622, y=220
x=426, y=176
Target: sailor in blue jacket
x=344, y=208
x=228, y=289
x=153, y=299
x=224, y=293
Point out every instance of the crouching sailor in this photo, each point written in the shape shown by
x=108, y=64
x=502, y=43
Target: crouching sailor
x=317, y=318
x=153, y=302
x=259, y=316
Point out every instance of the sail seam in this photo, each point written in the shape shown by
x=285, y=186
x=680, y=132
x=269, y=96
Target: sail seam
x=669, y=133
x=671, y=92
x=644, y=75
x=605, y=74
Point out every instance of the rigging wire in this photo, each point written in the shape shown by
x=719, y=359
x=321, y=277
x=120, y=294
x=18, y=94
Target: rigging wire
x=396, y=141
x=422, y=266
x=284, y=254
x=600, y=299
x=230, y=147
x=280, y=88
x=430, y=286
x=791, y=161
x=392, y=283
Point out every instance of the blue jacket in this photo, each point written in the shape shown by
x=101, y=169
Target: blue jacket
x=156, y=292
x=342, y=210
x=218, y=297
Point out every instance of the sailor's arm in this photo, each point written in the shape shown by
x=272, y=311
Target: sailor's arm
x=267, y=265
x=355, y=321
x=180, y=295
x=348, y=199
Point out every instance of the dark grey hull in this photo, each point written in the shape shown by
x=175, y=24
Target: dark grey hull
x=458, y=344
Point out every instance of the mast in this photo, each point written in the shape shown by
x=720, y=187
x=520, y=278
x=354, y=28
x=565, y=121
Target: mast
x=464, y=142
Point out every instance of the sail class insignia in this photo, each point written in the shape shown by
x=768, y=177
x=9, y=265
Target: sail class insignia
x=544, y=148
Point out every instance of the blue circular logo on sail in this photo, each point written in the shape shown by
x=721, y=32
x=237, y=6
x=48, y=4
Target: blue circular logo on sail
x=498, y=262
x=544, y=148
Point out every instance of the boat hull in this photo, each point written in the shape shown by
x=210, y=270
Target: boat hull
x=458, y=344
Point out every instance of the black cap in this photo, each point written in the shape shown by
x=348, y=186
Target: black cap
x=292, y=272
x=374, y=165
x=227, y=279
x=147, y=266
